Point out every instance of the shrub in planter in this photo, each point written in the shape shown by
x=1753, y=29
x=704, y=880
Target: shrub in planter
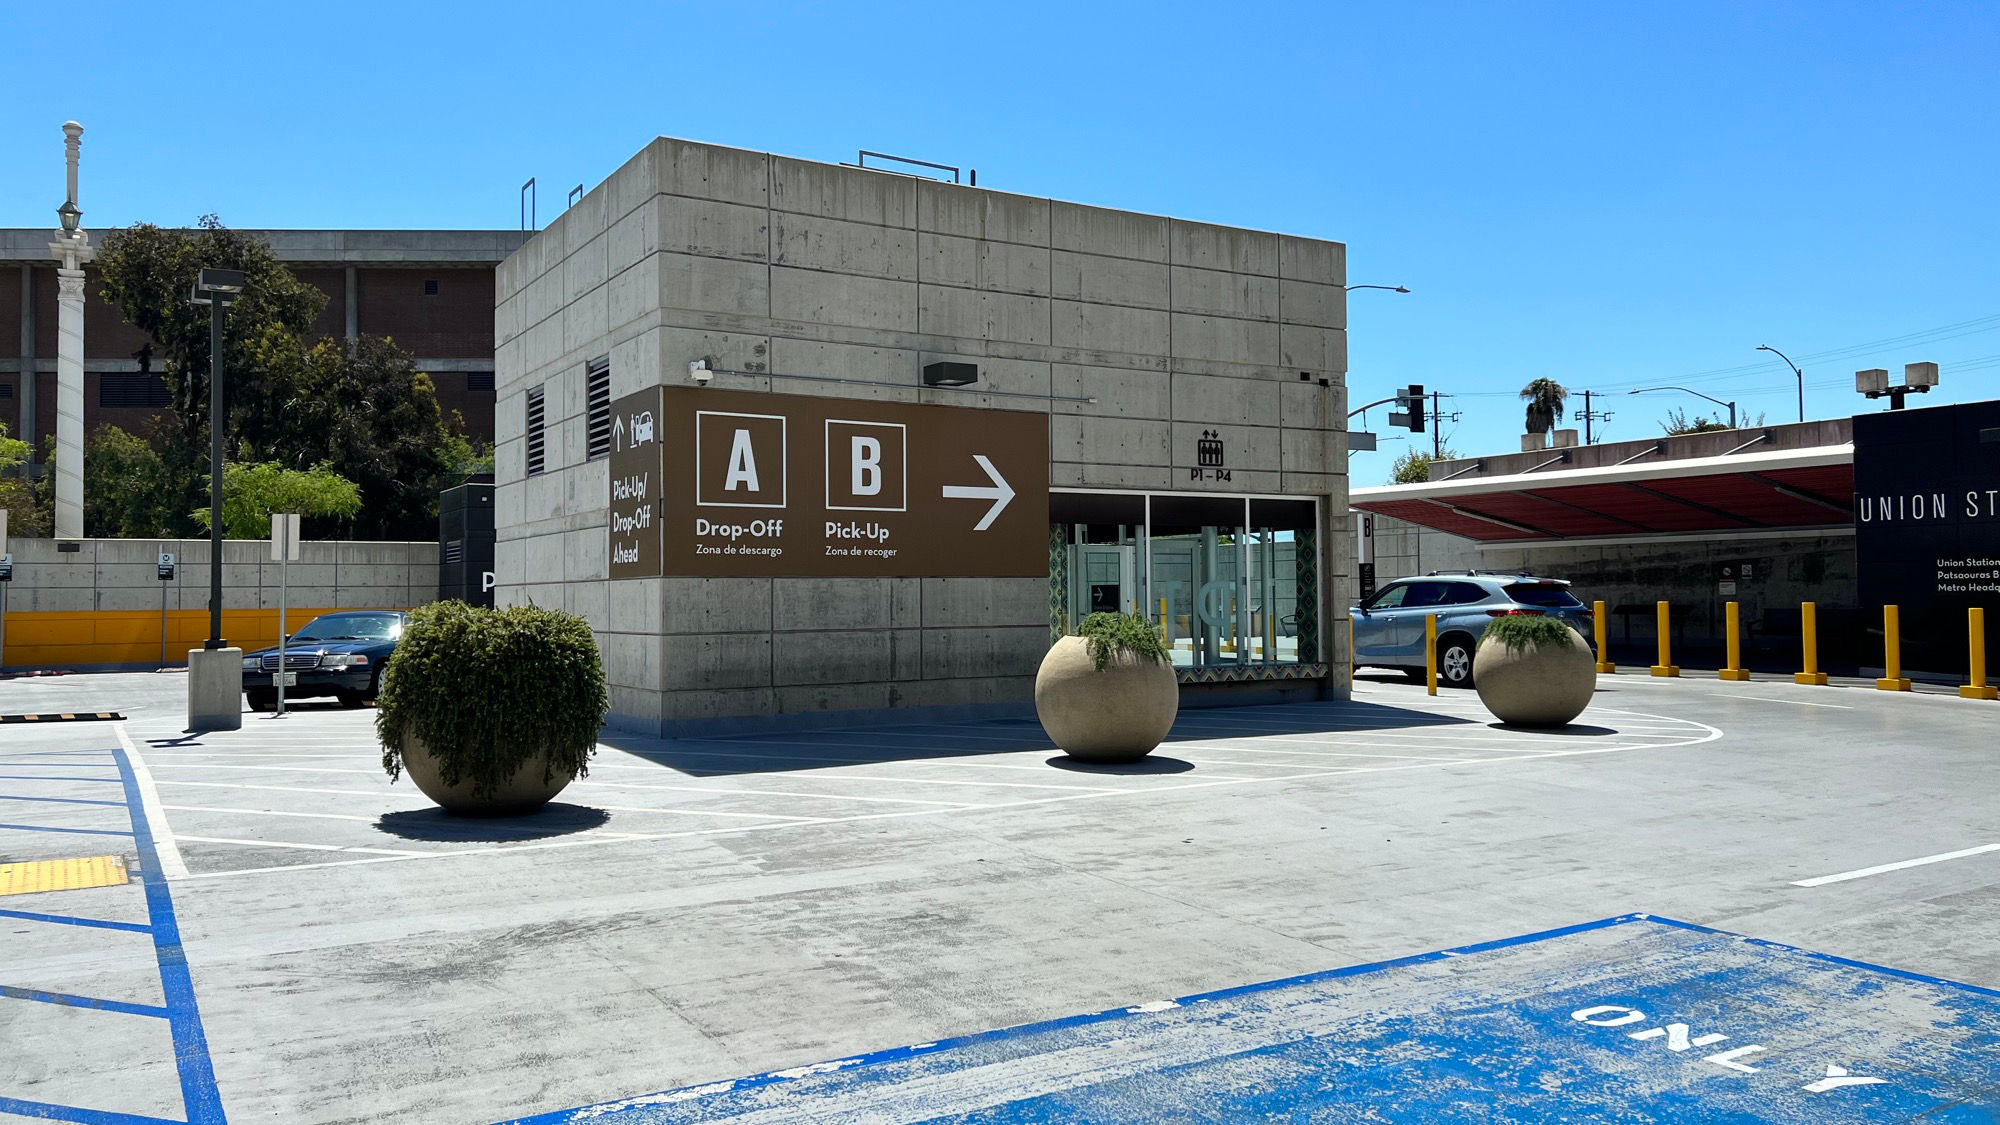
x=1108, y=693
x=1534, y=671
x=491, y=712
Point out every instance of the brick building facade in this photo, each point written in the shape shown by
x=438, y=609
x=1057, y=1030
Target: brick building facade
x=430, y=291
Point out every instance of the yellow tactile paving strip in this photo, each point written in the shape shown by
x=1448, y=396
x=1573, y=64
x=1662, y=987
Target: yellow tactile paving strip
x=62, y=874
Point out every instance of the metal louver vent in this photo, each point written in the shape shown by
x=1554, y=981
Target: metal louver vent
x=536, y=437
x=597, y=409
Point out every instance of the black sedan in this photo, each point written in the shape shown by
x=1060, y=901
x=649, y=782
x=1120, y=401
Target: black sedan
x=336, y=654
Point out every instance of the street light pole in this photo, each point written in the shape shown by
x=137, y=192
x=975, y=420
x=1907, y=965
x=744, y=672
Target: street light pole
x=1390, y=288
x=1796, y=370
x=217, y=304
x=1697, y=394
x=215, y=674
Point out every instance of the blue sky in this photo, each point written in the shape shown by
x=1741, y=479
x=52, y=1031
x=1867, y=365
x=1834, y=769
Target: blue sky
x=1610, y=195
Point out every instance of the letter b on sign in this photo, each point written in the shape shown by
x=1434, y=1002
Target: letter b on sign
x=865, y=466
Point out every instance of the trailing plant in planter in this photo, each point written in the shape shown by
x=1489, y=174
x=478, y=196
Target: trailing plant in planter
x=1520, y=632
x=491, y=711
x=1108, y=693
x=1107, y=634
x=1533, y=670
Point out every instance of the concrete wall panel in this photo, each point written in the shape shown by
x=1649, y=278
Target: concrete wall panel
x=1096, y=230
x=711, y=229
x=811, y=297
x=1095, y=329
x=1108, y=280
x=973, y=213
x=810, y=188
x=1223, y=248
x=817, y=243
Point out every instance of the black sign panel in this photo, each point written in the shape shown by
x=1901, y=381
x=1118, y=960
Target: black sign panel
x=1927, y=526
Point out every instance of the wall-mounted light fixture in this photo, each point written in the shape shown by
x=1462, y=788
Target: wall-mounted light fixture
x=945, y=374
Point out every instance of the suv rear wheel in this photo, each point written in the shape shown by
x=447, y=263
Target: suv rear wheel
x=1455, y=660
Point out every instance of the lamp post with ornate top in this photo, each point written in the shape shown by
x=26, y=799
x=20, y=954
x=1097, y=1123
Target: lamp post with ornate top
x=71, y=250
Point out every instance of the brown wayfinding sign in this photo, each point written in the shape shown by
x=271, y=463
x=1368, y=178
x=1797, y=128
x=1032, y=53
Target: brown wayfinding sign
x=728, y=483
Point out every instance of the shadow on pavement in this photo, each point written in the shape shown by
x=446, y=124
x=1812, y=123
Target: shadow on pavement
x=1573, y=730
x=785, y=750
x=438, y=826
x=1152, y=763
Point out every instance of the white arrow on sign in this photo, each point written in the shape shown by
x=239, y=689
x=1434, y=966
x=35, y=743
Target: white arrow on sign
x=1001, y=493
x=618, y=433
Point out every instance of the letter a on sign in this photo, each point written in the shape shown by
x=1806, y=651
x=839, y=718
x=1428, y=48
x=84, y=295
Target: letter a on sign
x=742, y=464
x=867, y=467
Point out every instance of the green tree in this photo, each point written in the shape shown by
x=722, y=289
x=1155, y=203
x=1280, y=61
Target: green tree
x=365, y=410
x=26, y=516
x=251, y=493
x=148, y=272
x=129, y=492
x=1677, y=422
x=1545, y=404
x=1414, y=466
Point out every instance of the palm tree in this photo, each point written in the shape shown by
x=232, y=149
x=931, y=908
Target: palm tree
x=1545, y=404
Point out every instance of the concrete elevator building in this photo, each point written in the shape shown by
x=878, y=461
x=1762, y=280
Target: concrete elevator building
x=800, y=438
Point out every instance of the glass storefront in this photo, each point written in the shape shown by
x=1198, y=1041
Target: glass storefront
x=1228, y=580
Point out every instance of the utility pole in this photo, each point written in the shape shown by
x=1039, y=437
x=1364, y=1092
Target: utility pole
x=1437, y=431
x=1588, y=415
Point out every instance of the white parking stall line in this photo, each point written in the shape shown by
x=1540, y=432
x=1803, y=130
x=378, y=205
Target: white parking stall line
x=274, y=769
x=165, y=848
x=600, y=838
x=1770, y=699
x=303, y=847
x=788, y=793
x=675, y=758
x=271, y=812
x=672, y=810
x=386, y=791
x=1313, y=753
x=1921, y=861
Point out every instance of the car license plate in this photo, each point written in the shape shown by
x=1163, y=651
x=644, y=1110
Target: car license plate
x=286, y=679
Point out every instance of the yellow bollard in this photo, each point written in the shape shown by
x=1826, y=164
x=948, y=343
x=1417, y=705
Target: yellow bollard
x=1166, y=629
x=1809, y=634
x=1431, y=653
x=1603, y=629
x=1975, y=638
x=1350, y=652
x=1892, y=651
x=1735, y=671
x=1666, y=665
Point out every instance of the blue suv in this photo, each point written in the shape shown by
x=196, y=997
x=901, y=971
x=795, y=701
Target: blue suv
x=1389, y=627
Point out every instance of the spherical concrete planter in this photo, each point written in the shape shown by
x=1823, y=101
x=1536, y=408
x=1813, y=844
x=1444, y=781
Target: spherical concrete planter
x=1117, y=715
x=523, y=792
x=1535, y=686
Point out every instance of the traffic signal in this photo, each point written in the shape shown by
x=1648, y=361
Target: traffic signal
x=1411, y=416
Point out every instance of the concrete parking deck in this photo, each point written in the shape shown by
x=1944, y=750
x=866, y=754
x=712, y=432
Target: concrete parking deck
x=700, y=910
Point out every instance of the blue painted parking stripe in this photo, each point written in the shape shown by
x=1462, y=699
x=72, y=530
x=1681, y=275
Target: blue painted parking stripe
x=1844, y=962
x=49, y=1111
x=1511, y=1047
x=71, y=920
x=61, y=800
x=893, y=1054
x=93, y=1002
x=197, y=1070
x=77, y=831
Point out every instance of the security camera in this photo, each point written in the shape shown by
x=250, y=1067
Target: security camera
x=699, y=372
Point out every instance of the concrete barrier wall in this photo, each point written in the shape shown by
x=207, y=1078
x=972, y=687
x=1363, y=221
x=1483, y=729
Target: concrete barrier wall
x=104, y=604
